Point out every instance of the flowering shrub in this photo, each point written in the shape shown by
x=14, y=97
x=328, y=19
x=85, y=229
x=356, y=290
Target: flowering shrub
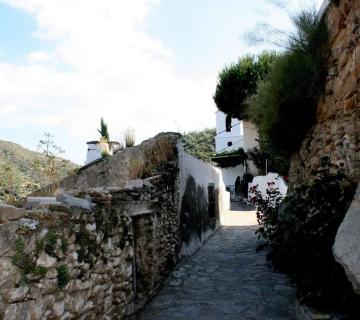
x=300, y=232
x=267, y=210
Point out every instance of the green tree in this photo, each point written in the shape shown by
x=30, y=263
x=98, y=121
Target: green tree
x=50, y=165
x=238, y=81
x=200, y=144
x=104, y=132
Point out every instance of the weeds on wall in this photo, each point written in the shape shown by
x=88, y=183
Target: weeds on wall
x=136, y=168
x=158, y=156
x=23, y=260
x=300, y=232
x=26, y=261
x=63, y=276
x=129, y=137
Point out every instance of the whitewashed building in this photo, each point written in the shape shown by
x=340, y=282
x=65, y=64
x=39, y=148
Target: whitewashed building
x=232, y=134
x=96, y=149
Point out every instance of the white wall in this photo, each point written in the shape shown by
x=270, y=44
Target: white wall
x=203, y=174
x=243, y=135
x=230, y=174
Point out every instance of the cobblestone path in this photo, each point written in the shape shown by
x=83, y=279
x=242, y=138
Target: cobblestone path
x=225, y=280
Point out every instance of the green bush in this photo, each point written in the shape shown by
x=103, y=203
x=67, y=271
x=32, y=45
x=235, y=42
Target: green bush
x=301, y=231
x=200, y=144
x=285, y=102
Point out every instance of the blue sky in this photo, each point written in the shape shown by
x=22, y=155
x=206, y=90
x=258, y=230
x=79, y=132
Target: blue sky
x=146, y=64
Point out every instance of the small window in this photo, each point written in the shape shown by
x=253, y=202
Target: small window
x=228, y=123
x=229, y=144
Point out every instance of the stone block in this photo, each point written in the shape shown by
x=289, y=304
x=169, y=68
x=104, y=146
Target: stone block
x=75, y=202
x=346, y=249
x=46, y=261
x=7, y=236
x=32, y=202
x=10, y=213
x=135, y=184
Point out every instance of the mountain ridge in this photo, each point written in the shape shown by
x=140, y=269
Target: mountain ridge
x=23, y=170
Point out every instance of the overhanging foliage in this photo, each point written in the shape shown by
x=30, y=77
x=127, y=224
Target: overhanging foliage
x=285, y=102
x=237, y=81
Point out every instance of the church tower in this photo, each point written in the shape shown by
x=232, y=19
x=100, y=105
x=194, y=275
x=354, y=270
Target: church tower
x=233, y=134
x=229, y=133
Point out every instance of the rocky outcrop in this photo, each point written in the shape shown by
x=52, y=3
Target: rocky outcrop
x=336, y=133
x=347, y=243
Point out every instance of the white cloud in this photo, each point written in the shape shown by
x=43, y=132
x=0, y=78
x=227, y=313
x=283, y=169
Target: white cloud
x=102, y=64
x=37, y=57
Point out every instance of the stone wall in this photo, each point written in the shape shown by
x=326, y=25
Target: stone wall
x=335, y=137
x=93, y=251
x=63, y=262
x=336, y=133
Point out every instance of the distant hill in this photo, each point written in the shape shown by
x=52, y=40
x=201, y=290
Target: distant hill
x=200, y=144
x=22, y=170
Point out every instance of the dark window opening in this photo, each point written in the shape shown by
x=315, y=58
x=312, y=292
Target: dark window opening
x=228, y=123
x=211, y=200
x=229, y=144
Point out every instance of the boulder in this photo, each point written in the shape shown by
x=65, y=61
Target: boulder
x=346, y=249
x=10, y=213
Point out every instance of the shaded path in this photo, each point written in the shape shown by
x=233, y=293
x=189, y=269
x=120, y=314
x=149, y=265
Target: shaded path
x=225, y=280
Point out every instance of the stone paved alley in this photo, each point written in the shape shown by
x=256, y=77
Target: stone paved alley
x=226, y=279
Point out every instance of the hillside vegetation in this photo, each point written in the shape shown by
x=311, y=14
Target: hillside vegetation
x=200, y=144
x=23, y=171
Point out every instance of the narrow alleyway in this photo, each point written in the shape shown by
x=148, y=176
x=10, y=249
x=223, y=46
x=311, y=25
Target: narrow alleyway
x=226, y=279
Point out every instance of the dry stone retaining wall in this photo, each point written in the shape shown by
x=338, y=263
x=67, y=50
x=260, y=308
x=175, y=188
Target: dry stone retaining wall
x=100, y=252
x=63, y=262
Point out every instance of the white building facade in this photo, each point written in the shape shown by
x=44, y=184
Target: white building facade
x=232, y=134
